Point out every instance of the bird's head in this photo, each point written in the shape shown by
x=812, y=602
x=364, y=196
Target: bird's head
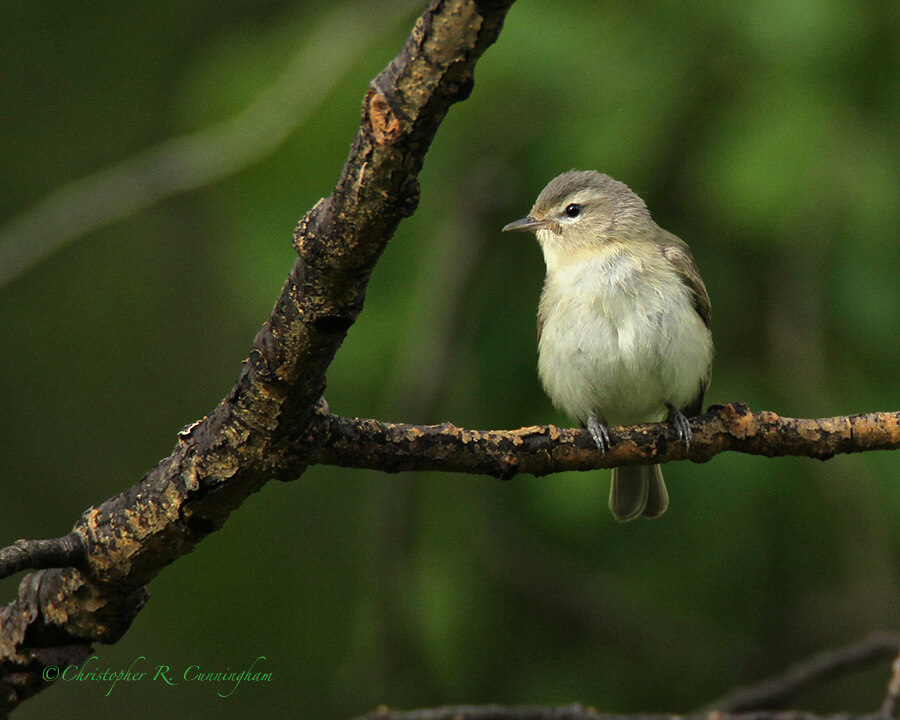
x=582, y=209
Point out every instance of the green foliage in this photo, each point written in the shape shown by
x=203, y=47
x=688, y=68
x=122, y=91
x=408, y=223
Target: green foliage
x=765, y=134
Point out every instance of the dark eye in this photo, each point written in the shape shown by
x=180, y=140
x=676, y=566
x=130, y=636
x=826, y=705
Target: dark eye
x=573, y=210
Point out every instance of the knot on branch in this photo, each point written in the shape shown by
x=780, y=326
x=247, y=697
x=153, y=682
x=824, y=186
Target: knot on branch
x=385, y=123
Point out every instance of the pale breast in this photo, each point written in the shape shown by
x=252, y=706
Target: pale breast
x=620, y=338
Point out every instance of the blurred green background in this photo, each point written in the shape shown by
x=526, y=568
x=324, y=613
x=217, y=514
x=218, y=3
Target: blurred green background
x=766, y=134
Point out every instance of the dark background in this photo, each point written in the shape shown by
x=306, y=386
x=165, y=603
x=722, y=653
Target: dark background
x=763, y=133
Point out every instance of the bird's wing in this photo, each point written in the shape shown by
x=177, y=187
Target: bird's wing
x=677, y=252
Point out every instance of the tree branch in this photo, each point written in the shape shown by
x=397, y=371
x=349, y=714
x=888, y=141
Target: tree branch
x=273, y=424
x=39, y=554
x=579, y=712
x=752, y=703
x=537, y=450
x=541, y=450
x=250, y=437
x=775, y=691
x=891, y=704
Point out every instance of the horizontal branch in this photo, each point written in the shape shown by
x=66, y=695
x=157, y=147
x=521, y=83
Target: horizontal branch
x=536, y=450
x=39, y=554
x=579, y=712
x=542, y=450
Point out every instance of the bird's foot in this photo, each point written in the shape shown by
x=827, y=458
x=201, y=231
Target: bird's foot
x=681, y=424
x=599, y=433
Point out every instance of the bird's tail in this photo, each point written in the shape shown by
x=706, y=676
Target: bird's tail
x=637, y=490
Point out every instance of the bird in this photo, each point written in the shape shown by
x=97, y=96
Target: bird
x=623, y=322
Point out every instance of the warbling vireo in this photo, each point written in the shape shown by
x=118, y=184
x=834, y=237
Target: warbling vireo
x=623, y=322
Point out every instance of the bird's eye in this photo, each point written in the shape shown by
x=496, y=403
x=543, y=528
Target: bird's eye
x=573, y=210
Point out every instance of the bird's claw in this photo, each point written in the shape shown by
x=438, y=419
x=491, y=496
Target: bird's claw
x=681, y=424
x=598, y=433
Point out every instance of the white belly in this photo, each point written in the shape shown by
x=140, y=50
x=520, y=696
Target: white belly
x=618, y=344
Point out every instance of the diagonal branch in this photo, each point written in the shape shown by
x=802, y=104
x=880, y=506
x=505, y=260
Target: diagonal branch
x=891, y=704
x=776, y=691
x=744, y=704
x=273, y=423
x=250, y=438
x=580, y=712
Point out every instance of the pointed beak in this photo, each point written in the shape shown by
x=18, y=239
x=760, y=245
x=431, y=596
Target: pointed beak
x=526, y=223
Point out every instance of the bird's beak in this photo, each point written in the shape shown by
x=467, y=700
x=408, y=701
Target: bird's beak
x=526, y=223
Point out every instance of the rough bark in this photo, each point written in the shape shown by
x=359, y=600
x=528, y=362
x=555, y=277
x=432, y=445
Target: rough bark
x=580, y=712
x=542, y=450
x=250, y=438
x=273, y=423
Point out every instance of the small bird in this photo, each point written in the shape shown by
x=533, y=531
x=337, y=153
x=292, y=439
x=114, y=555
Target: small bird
x=623, y=322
